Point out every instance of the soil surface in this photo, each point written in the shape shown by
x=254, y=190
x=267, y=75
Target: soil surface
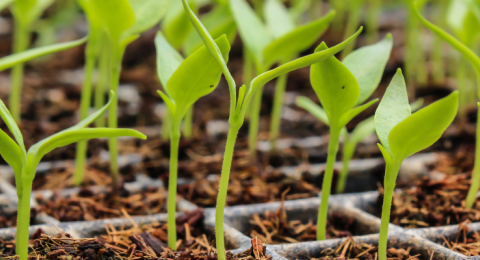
x=465, y=243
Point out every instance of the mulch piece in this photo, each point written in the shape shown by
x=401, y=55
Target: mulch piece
x=88, y=205
x=467, y=244
x=275, y=228
x=362, y=251
x=434, y=203
x=145, y=242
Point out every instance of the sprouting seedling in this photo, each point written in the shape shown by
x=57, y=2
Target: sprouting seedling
x=475, y=61
x=24, y=163
x=131, y=17
x=186, y=81
x=277, y=41
x=402, y=134
x=25, y=14
x=363, y=130
x=339, y=87
x=239, y=106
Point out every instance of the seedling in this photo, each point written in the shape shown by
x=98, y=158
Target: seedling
x=402, y=134
x=131, y=17
x=277, y=41
x=340, y=87
x=475, y=61
x=24, y=163
x=239, y=106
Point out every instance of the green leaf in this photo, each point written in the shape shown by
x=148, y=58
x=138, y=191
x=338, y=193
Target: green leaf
x=393, y=109
x=147, y=14
x=312, y=108
x=461, y=19
x=116, y=16
x=417, y=104
x=298, y=40
x=196, y=77
x=350, y=114
x=253, y=32
x=367, y=65
x=363, y=130
x=21, y=57
x=168, y=59
x=176, y=25
x=73, y=135
x=336, y=88
x=12, y=125
x=11, y=152
x=217, y=22
x=28, y=11
x=172, y=108
x=94, y=116
x=277, y=18
x=423, y=128
x=386, y=155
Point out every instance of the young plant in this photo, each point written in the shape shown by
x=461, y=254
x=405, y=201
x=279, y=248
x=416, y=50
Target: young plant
x=239, y=106
x=475, y=61
x=340, y=87
x=354, y=11
x=131, y=17
x=24, y=163
x=402, y=134
x=277, y=41
x=185, y=82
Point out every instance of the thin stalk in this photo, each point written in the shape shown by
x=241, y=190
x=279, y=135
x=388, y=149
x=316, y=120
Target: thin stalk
x=188, y=124
x=223, y=188
x=103, y=71
x=462, y=86
x=280, y=86
x=371, y=19
x=19, y=186
x=472, y=192
x=355, y=13
x=115, y=66
x=166, y=126
x=90, y=54
x=327, y=182
x=248, y=71
x=438, y=65
x=254, y=123
x=347, y=154
x=172, y=184
x=23, y=221
x=392, y=171
x=21, y=40
x=415, y=57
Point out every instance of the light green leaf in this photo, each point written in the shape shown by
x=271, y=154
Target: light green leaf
x=21, y=57
x=28, y=11
x=312, y=108
x=393, y=109
x=386, y=155
x=94, y=116
x=350, y=114
x=253, y=32
x=336, y=88
x=416, y=105
x=196, y=77
x=116, y=16
x=172, y=108
x=367, y=65
x=12, y=125
x=363, y=130
x=277, y=18
x=73, y=135
x=168, y=59
x=147, y=14
x=298, y=40
x=11, y=152
x=217, y=22
x=461, y=19
x=423, y=128
x=176, y=25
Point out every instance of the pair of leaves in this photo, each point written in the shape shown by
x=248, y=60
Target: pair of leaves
x=278, y=40
x=14, y=151
x=340, y=86
x=185, y=81
x=402, y=133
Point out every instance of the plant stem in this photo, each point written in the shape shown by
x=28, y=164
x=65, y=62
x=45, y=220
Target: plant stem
x=21, y=40
x=23, y=221
x=115, y=66
x=472, y=192
x=372, y=17
x=84, y=107
x=347, y=154
x=391, y=173
x=187, y=123
x=222, y=191
x=248, y=71
x=254, y=123
x=280, y=86
x=355, y=12
x=166, y=125
x=327, y=182
x=172, y=183
x=103, y=67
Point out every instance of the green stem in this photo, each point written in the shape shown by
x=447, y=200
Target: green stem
x=254, y=123
x=389, y=183
x=21, y=40
x=222, y=191
x=280, y=86
x=472, y=192
x=84, y=107
x=115, y=67
x=462, y=86
x=172, y=184
x=188, y=124
x=327, y=182
x=347, y=154
x=352, y=25
x=23, y=221
x=166, y=125
x=372, y=17
x=103, y=68
x=248, y=71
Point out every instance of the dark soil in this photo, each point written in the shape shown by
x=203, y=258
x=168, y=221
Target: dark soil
x=465, y=243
